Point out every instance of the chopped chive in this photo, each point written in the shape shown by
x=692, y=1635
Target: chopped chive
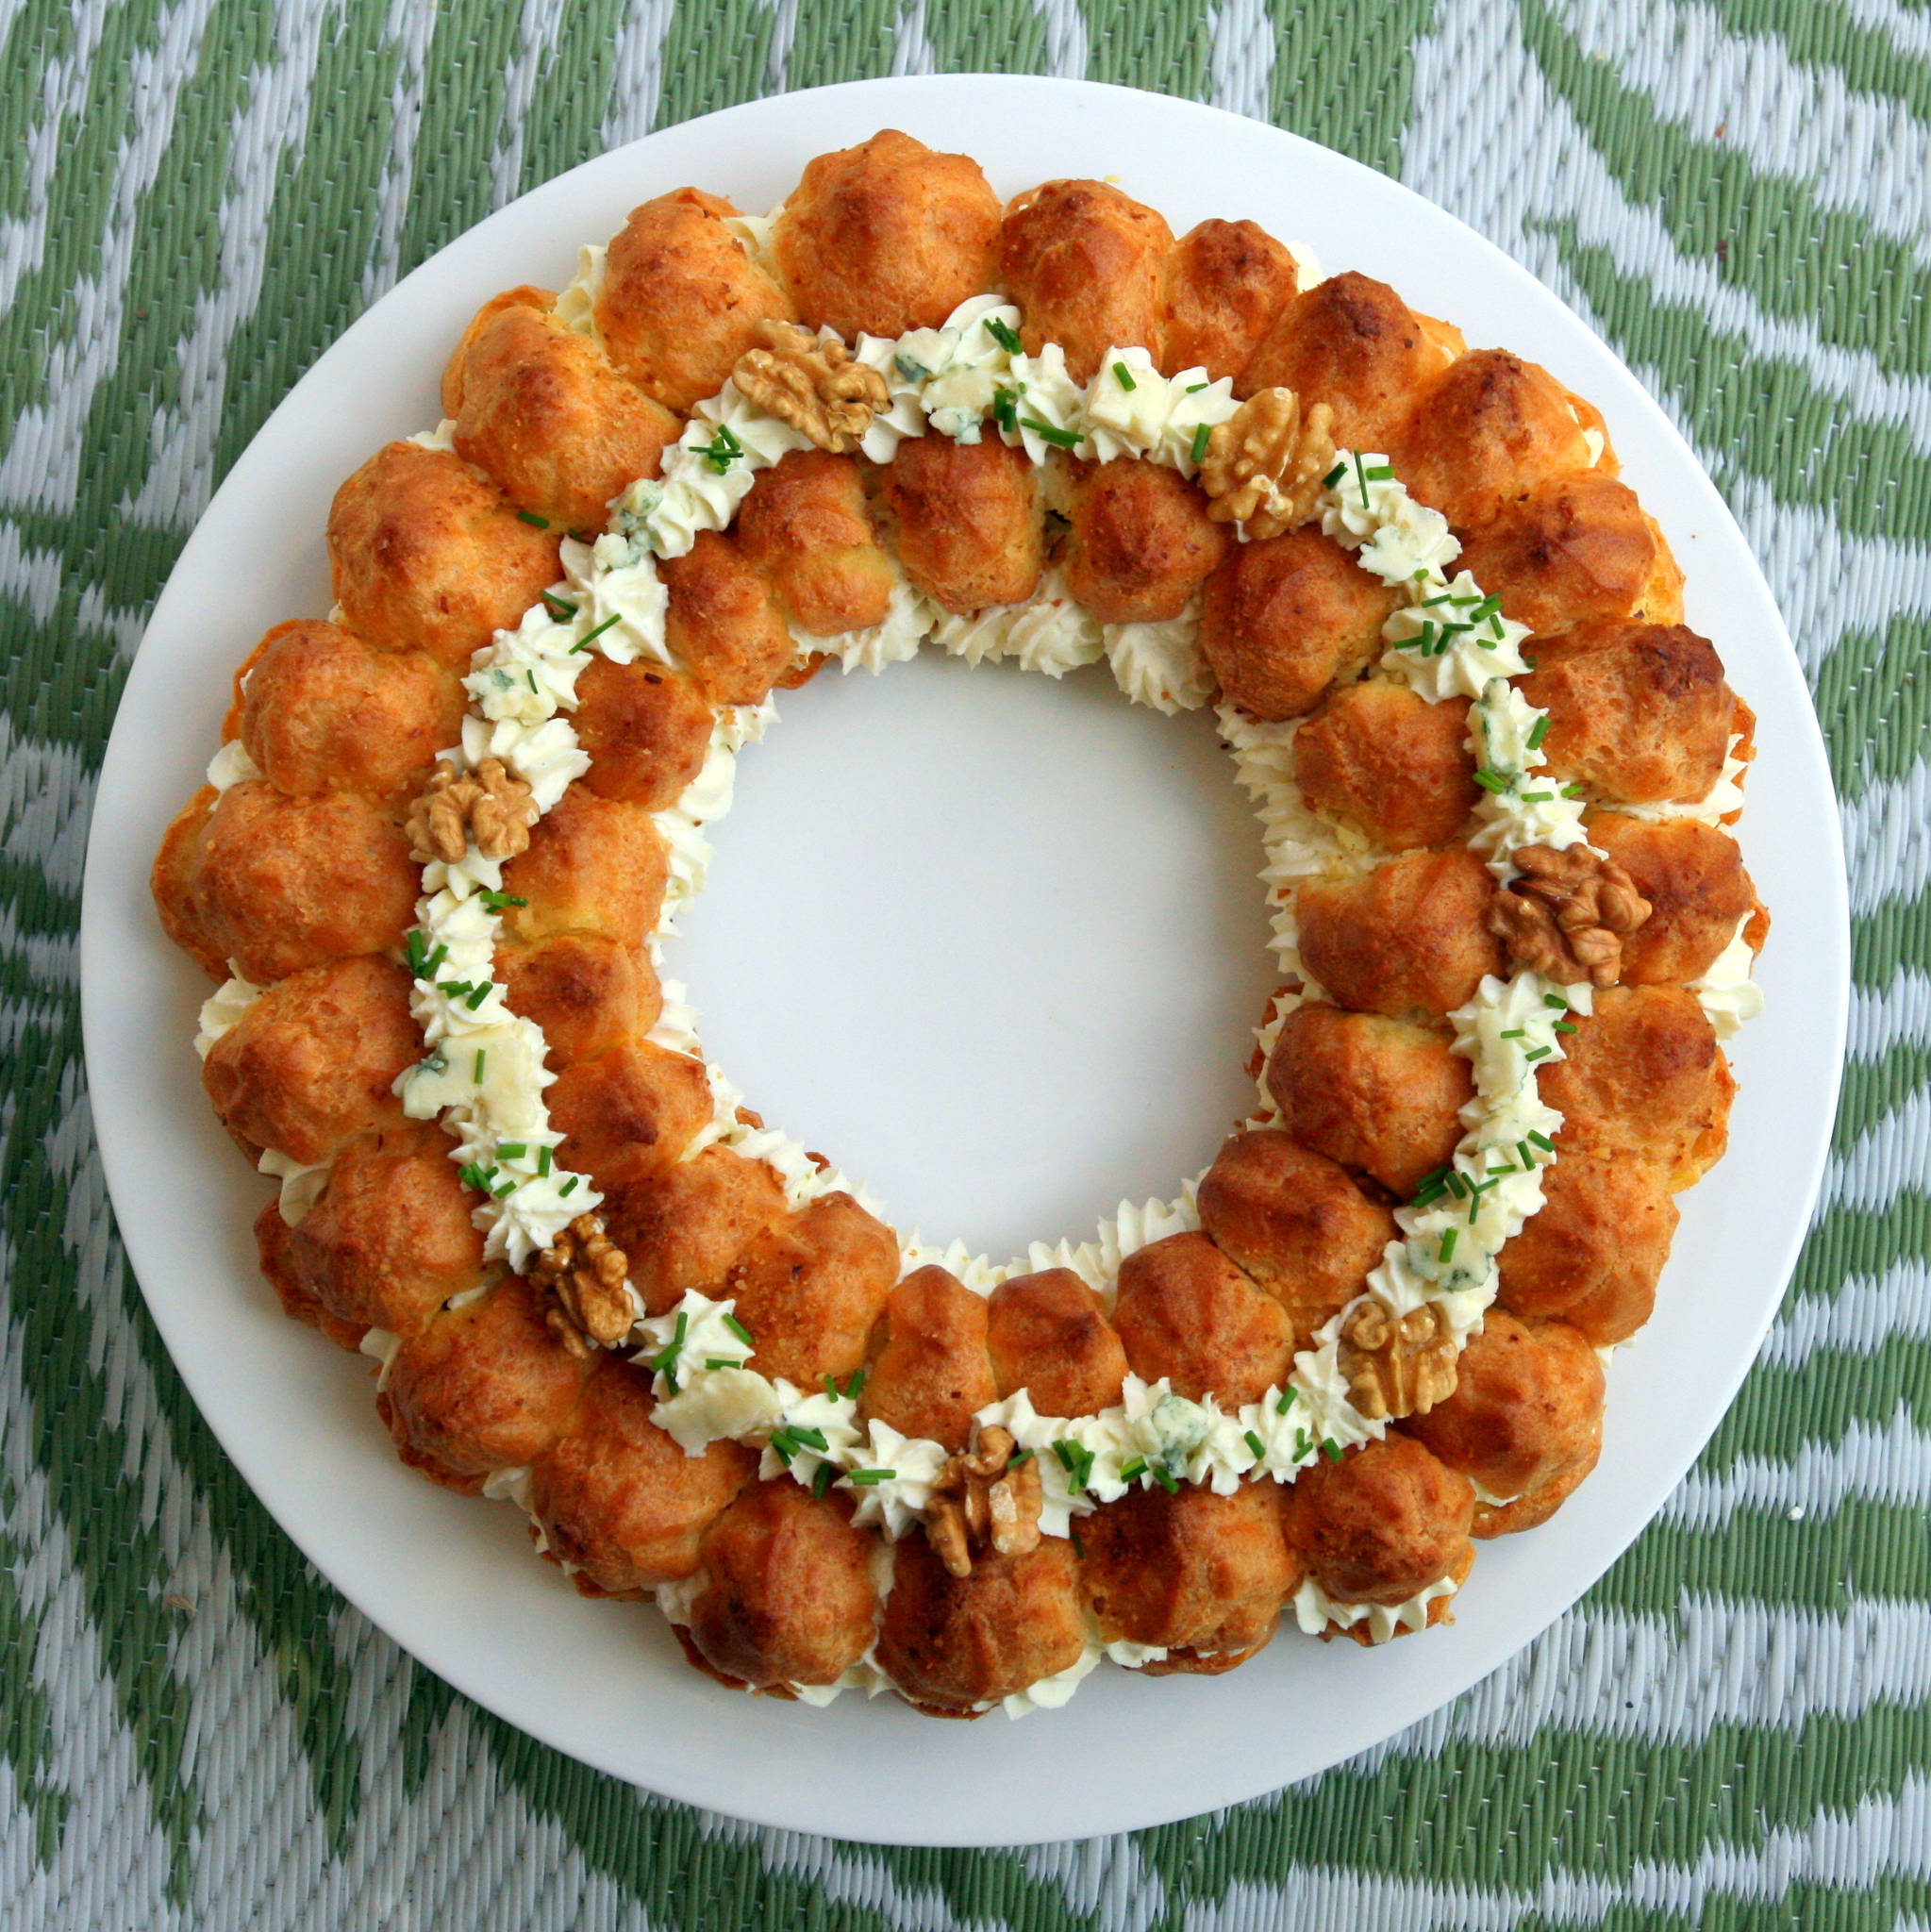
x=831, y=1387
x=1537, y=1052
x=1022, y=1455
x=1078, y=1547
x=782, y=1446
x=478, y=993
x=558, y=608
x=719, y=1361
x=1542, y=1141
x=1572, y=792
x=530, y=677
x=865, y=1478
x=1360, y=477
x=1540, y=732
x=821, y=1481
x=670, y=1377
x=853, y=1387
x=1005, y=409
x=530, y=517
x=589, y=637
x=1334, y=476
x=471, y=1174
x=1202, y=435
x=1331, y=1449
x=482, y=1055
x=1125, y=376
x=1538, y=797
x=1527, y=1154
x=1563, y=1026
x=1166, y=1479
x=499, y=902
x=1448, y=1246
x=1474, y=1205
x=743, y=1335
x=723, y=450
x=1496, y=1173
x=1286, y=1402
x=1304, y=1445
x=812, y=1439
x=1064, y=439
x=1516, y=1033
x=434, y=960
x=1381, y=472
x=1491, y=781
x=511, y=1150
x=1008, y=337
x=1134, y=1470
x=1457, y=1186
x=543, y=1161
x=1259, y=1448
x=1193, y=389
x=1555, y=1000
x=568, y=1186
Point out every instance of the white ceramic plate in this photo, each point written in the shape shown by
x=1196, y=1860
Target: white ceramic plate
x=452, y=1580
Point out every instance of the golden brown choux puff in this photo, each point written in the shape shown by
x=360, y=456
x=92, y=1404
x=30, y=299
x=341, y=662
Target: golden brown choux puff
x=927, y=1371
x=1223, y=286
x=646, y=729
x=173, y=882
x=1086, y=264
x=1639, y=713
x=1048, y=1334
x=1379, y=1096
x=1699, y=894
x=389, y=1239
x=1294, y=1222
x=1380, y=758
x=427, y=555
x=1575, y=549
x=1186, y=1312
x=806, y=525
x=593, y=865
x=325, y=710
x=885, y=237
x=277, y=884
x=618, y=1499
x=955, y=1645
x=1286, y=617
x=1593, y=1254
x=786, y=1595
x=1484, y=433
x=636, y=1106
x=970, y=520
x=681, y=300
x=1524, y=1422
x=299, y=1302
x=1202, y=1575
x=488, y=1386
x=810, y=1287
x=309, y=1066
x=587, y=993
x=1405, y=939
x=540, y=411
x=724, y=620
x=681, y=1227
x=1353, y=343
x=1381, y=1525
x=1140, y=542
x=1645, y=1080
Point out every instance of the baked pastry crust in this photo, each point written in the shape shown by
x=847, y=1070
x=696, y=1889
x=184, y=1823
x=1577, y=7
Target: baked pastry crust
x=299, y=872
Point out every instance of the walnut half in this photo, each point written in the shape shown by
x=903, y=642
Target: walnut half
x=1264, y=465
x=983, y=1497
x=812, y=385
x=583, y=1273
x=1396, y=1365
x=1568, y=914
x=490, y=804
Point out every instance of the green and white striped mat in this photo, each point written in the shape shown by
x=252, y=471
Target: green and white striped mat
x=1733, y=1730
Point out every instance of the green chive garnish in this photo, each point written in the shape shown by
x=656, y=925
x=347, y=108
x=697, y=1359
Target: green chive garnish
x=1134, y=1470
x=1125, y=375
x=482, y=1055
x=589, y=637
x=853, y=1387
x=511, y=1150
x=568, y=1186
x=1166, y=1479
x=1286, y=1402
x=499, y=902
x=743, y=1335
x=1491, y=781
x=1202, y=435
x=1332, y=1449
x=1063, y=439
x=530, y=517
x=1448, y=1246
x=1555, y=1000
x=1008, y=337
x=1564, y=1026
x=543, y=1161
x=866, y=1478
x=1537, y=1052
x=719, y=1361
x=1540, y=732
x=1078, y=1547
x=822, y=1481
x=1516, y=1033
x=1541, y=1141
x=558, y=607
x=1255, y=1444
x=1527, y=1152
x=1334, y=476
x=1006, y=407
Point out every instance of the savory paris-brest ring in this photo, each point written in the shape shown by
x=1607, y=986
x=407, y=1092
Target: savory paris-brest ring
x=451, y=822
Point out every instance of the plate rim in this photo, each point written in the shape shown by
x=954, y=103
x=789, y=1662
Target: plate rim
x=1040, y=1821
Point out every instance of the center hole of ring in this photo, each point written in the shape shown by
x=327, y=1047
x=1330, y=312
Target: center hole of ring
x=994, y=946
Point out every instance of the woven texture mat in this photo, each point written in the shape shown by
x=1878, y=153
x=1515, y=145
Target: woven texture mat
x=1733, y=1730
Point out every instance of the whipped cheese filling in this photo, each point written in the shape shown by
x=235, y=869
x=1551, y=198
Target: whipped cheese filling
x=484, y=1073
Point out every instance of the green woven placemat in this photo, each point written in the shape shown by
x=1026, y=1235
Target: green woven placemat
x=1733, y=1730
